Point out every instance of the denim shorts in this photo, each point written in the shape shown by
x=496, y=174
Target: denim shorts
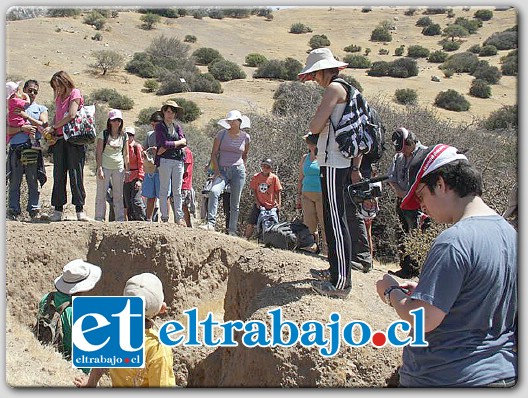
x=151, y=186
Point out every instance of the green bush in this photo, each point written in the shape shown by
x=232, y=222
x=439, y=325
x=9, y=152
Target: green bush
x=383, y=51
x=417, y=51
x=142, y=66
x=162, y=12
x=255, y=59
x=191, y=111
x=507, y=40
x=488, y=51
x=149, y=20
x=475, y=49
x=357, y=61
x=206, y=55
x=379, y=69
x=151, y=85
x=352, y=49
x=63, y=12
x=107, y=61
x=448, y=73
x=450, y=46
x=299, y=28
x=432, y=30
x=406, y=96
x=205, y=82
x=143, y=117
x=216, y=14
x=424, y=21
x=455, y=31
x=95, y=19
x=224, y=70
x=437, y=57
x=199, y=14
x=319, y=41
x=480, y=89
x=410, y=12
x=435, y=11
x=484, y=15
x=403, y=67
x=399, y=51
x=509, y=64
x=381, y=35
x=503, y=118
x=461, y=63
x=190, y=39
x=293, y=67
x=112, y=97
x=452, y=101
x=471, y=25
x=97, y=37
x=486, y=72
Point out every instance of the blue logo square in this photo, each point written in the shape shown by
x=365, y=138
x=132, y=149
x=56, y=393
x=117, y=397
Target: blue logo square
x=108, y=332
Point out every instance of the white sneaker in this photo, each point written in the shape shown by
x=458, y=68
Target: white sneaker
x=56, y=216
x=81, y=216
x=207, y=227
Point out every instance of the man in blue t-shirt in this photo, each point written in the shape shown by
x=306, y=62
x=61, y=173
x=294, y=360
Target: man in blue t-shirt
x=19, y=140
x=468, y=283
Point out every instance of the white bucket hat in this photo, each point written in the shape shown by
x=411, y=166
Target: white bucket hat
x=11, y=88
x=115, y=114
x=320, y=58
x=78, y=276
x=234, y=115
x=130, y=130
x=149, y=287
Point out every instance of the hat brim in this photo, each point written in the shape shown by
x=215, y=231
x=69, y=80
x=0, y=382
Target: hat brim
x=432, y=159
x=245, y=122
x=83, y=286
x=304, y=75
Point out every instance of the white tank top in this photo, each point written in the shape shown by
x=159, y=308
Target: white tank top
x=329, y=155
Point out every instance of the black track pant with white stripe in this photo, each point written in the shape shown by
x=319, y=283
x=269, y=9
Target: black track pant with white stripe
x=333, y=182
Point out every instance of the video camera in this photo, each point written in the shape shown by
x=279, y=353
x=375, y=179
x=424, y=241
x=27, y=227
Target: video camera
x=365, y=189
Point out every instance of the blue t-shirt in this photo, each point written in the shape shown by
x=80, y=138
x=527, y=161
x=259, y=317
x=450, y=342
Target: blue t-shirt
x=34, y=110
x=312, y=175
x=471, y=275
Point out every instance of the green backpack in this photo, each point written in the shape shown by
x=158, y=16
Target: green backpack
x=48, y=328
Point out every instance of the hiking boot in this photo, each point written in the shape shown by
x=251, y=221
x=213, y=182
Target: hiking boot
x=81, y=216
x=56, y=216
x=207, y=227
x=327, y=289
x=320, y=274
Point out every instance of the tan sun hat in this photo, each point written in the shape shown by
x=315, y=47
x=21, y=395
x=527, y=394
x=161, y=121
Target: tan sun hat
x=78, y=276
x=318, y=59
x=149, y=287
x=172, y=104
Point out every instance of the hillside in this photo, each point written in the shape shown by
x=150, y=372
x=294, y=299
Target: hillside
x=52, y=44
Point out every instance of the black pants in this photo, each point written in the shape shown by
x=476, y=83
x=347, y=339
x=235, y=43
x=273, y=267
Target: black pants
x=134, y=205
x=360, y=256
x=68, y=160
x=333, y=182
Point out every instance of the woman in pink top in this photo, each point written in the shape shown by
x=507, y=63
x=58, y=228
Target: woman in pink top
x=68, y=159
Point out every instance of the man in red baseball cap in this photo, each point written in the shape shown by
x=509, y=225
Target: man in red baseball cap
x=468, y=282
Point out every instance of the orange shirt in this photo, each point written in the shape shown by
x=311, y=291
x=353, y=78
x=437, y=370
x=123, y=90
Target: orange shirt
x=266, y=189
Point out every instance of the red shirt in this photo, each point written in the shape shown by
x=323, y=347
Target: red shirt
x=187, y=174
x=266, y=189
x=135, y=162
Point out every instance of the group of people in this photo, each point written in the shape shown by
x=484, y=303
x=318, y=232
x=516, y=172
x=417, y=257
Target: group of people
x=467, y=287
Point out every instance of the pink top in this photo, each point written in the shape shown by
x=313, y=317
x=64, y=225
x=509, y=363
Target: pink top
x=187, y=176
x=61, y=107
x=13, y=119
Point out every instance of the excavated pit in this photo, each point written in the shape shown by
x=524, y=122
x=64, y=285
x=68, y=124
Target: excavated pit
x=230, y=277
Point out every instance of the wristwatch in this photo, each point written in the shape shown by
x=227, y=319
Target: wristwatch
x=389, y=290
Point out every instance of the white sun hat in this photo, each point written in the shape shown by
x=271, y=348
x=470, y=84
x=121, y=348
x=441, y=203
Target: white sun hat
x=234, y=115
x=78, y=276
x=148, y=286
x=318, y=59
x=11, y=88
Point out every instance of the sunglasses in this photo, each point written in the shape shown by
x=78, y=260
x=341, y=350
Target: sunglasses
x=32, y=91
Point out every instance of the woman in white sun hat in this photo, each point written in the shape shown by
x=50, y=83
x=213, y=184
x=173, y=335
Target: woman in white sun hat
x=337, y=171
x=228, y=162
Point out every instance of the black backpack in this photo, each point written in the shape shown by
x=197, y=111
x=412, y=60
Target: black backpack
x=48, y=328
x=106, y=135
x=289, y=236
x=377, y=133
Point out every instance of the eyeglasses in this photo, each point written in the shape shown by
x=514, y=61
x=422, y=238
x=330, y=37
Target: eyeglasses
x=32, y=91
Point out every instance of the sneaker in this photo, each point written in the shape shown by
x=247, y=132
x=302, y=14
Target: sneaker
x=81, y=216
x=34, y=215
x=56, y=216
x=327, y=289
x=207, y=227
x=365, y=268
x=164, y=219
x=320, y=274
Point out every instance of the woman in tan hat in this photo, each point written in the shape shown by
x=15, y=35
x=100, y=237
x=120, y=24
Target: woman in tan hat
x=336, y=171
x=170, y=141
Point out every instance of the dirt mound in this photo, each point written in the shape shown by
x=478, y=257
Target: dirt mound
x=230, y=277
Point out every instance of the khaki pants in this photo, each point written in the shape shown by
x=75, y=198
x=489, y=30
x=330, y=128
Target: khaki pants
x=312, y=206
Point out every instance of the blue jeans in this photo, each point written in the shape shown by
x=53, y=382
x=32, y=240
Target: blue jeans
x=15, y=181
x=171, y=178
x=235, y=176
